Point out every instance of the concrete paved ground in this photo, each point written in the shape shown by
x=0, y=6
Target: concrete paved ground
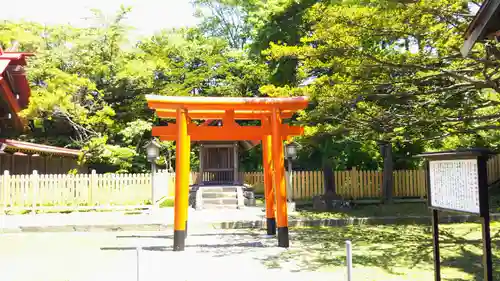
x=159, y=216
x=210, y=255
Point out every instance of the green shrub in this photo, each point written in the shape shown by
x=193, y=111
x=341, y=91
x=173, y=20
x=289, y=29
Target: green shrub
x=258, y=188
x=167, y=203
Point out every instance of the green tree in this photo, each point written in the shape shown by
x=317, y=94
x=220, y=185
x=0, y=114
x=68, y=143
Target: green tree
x=65, y=108
x=226, y=19
x=391, y=72
x=186, y=62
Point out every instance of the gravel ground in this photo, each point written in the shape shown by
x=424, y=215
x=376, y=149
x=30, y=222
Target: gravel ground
x=210, y=255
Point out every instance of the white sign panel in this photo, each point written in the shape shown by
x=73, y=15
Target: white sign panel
x=454, y=185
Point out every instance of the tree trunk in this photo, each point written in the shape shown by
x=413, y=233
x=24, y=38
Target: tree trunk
x=387, y=178
x=329, y=183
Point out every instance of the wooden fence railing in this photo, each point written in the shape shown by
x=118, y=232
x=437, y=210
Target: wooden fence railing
x=108, y=190
x=83, y=191
x=353, y=184
x=360, y=184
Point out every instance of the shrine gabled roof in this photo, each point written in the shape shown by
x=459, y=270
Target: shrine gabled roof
x=21, y=146
x=16, y=57
x=14, y=89
x=485, y=23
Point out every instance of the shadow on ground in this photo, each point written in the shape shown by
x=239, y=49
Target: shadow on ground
x=367, y=210
x=166, y=248
x=391, y=248
x=214, y=244
x=251, y=234
x=395, y=250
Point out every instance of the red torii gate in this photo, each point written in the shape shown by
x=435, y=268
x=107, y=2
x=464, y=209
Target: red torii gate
x=272, y=133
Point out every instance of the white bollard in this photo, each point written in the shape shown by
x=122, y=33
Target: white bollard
x=348, y=247
x=138, y=263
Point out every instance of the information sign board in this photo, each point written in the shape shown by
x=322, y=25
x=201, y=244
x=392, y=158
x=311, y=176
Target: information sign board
x=454, y=185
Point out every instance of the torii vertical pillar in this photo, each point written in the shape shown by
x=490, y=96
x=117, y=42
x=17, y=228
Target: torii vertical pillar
x=181, y=181
x=189, y=178
x=279, y=179
x=268, y=183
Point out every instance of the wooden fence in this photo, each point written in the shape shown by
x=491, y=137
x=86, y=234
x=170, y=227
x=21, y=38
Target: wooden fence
x=81, y=191
x=88, y=191
x=353, y=184
x=359, y=184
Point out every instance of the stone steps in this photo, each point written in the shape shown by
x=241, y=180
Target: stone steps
x=216, y=189
x=208, y=206
x=212, y=195
x=223, y=201
x=217, y=197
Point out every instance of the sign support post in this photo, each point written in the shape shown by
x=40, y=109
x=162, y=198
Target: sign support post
x=435, y=244
x=457, y=181
x=485, y=218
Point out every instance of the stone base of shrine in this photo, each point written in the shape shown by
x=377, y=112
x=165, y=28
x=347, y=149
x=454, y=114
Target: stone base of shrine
x=221, y=196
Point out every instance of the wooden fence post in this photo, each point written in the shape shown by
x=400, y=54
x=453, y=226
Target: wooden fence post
x=5, y=188
x=354, y=182
x=92, y=186
x=35, y=186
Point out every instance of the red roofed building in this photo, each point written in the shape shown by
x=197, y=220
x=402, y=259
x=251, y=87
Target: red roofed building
x=16, y=156
x=14, y=89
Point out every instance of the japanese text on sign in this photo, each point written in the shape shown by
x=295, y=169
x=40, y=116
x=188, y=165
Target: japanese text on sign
x=454, y=185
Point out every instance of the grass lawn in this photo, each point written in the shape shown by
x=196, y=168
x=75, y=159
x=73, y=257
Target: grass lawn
x=382, y=210
x=369, y=210
x=382, y=253
x=305, y=211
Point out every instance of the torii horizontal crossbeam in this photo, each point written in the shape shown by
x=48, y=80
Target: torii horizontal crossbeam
x=219, y=114
x=225, y=103
x=230, y=133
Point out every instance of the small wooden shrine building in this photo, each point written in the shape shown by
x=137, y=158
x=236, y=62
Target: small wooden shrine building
x=219, y=160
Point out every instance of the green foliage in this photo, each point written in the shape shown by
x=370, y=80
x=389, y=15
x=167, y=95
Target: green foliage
x=167, y=203
x=97, y=151
x=88, y=84
x=187, y=63
x=280, y=22
x=258, y=188
x=392, y=71
x=381, y=71
x=225, y=19
x=134, y=132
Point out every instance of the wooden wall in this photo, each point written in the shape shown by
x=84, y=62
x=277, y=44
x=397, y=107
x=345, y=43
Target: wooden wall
x=18, y=164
